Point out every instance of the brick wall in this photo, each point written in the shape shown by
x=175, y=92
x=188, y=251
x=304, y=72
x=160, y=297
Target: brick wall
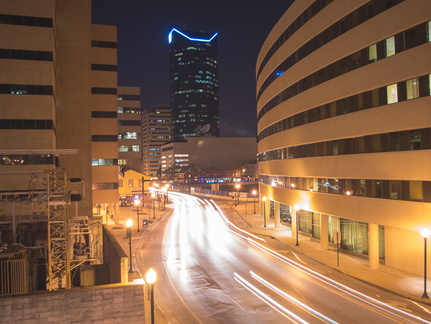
x=117, y=303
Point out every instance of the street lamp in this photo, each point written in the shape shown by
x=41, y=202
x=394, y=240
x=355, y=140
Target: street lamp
x=129, y=224
x=297, y=223
x=237, y=186
x=264, y=211
x=150, y=278
x=254, y=192
x=425, y=234
x=153, y=195
x=137, y=202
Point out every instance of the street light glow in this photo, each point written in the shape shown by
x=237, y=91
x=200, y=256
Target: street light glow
x=151, y=276
x=129, y=223
x=425, y=233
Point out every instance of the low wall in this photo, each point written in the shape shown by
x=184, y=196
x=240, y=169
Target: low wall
x=118, y=303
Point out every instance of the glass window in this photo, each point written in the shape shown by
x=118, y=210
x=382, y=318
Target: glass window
x=429, y=31
x=123, y=148
x=390, y=46
x=130, y=182
x=120, y=183
x=412, y=88
x=372, y=53
x=392, y=93
x=135, y=148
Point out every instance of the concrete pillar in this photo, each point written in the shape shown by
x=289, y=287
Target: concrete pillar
x=294, y=221
x=276, y=214
x=324, y=219
x=265, y=210
x=373, y=246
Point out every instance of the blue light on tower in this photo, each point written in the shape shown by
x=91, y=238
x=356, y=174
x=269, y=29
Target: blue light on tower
x=189, y=38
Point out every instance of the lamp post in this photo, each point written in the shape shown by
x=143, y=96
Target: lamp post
x=150, y=278
x=297, y=223
x=237, y=186
x=254, y=192
x=153, y=195
x=264, y=211
x=425, y=234
x=129, y=224
x=137, y=202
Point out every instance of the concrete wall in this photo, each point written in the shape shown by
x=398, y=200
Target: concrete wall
x=117, y=303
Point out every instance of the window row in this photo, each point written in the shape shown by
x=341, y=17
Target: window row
x=104, y=138
x=104, y=91
x=308, y=13
x=372, y=188
x=129, y=148
x=342, y=26
x=401, y=91
x=103, y=67
x=418, y=139
x=95, y=43
x=27, y=159
x=25, y=20
x=129, y=123
x=129, y=135
x=415, y=36
x=26, y=89
x=100, y=162
x=127, y=110
x=104, y=185
x=129, y=97
x=27, y=124
x=104, y=114
x=25, y=55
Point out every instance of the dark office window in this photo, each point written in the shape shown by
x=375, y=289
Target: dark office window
x=25, y=89
x=129, y=123
x=103, y=67
x=25, y=20
x=25, y=55
x=104, y=114
x=129, y=97
x=104, y=44
x=105, y=91
x=104, y=138
x=42, y=124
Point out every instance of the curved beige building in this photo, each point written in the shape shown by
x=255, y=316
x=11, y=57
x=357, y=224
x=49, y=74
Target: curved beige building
x=344, y=126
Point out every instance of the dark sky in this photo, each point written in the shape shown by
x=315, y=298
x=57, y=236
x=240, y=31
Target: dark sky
x=143, y=61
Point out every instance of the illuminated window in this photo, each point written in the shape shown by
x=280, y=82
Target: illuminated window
x=372, y=53
x=412, y=88
x=392, y=93
x=130, y=182
x=428, y=31
x=390, y=46
x=120, y=183
x=135, y=148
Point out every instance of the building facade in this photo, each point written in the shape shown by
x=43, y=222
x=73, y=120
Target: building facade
x=194, y=100
x=344, y=126
x=58, y=130
x=129, y=128
x=156, y=131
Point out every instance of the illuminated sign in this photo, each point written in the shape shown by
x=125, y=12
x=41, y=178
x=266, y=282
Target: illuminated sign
x=188, y=37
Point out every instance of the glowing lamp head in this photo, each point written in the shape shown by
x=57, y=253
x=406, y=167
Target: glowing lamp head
x=137, y=202
x=254, y=192
x=237, y=186
x=426, y=233
x=151, y=276
x=264, y=198
x=129, y=223
x=297, y=207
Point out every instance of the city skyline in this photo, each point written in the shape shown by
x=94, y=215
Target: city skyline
x=242, y=28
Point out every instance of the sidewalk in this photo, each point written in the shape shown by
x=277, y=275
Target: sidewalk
x=399, y=282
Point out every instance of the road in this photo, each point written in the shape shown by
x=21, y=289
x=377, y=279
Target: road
x=213, y=272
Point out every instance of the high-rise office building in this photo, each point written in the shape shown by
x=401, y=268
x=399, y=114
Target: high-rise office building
x=58, y=129
x=156, y=131
x=129, y=128
x=194, y=98
x=344, y=126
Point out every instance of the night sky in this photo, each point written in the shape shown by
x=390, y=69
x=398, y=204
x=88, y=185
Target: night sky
x=143, y=52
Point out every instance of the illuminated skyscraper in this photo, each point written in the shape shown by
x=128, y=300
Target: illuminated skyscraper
x=193, y=84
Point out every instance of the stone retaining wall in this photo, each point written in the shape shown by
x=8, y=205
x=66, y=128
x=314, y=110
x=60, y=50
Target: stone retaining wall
x=118, y=303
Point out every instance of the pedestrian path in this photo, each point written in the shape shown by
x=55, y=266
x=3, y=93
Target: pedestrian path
x=402, y=283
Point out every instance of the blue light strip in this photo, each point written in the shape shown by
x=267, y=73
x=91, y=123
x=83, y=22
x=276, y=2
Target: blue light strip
x=188, y=37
